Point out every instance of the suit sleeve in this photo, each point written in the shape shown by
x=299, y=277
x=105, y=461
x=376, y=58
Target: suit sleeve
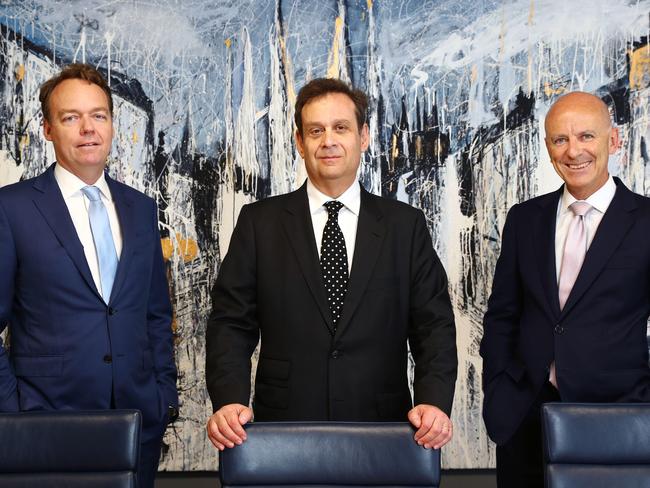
x=501, y=321
x=159, y=322
x=232, y=332
x=8, y=265
x=432, y=332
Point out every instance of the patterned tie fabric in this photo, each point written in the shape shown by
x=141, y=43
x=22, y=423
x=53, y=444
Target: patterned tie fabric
x=575, y=248
x=103, y=238
x=334, y=261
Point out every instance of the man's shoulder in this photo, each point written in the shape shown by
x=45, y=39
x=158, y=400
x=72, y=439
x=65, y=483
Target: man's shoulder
x=20, y=189
x=275, y=203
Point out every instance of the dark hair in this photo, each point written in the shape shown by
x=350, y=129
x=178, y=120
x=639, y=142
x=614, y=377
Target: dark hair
x=75, y=71
x=320, y=87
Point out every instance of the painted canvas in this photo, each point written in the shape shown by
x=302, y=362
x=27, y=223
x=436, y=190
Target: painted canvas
x=204, y=94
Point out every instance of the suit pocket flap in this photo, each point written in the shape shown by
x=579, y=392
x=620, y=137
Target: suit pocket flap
x=276, y=369
x=38, y=365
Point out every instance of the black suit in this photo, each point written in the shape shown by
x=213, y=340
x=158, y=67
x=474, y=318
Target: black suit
x=270, y=283
x=598, y=340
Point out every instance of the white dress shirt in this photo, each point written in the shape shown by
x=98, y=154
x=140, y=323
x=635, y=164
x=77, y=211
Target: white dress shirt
x=348, y=215
x=599, y=201
x=77, y=203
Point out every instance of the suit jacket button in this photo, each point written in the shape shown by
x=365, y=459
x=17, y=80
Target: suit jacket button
x=111, y=311
x=108, y=359
x=559, y=329
x=335, y=354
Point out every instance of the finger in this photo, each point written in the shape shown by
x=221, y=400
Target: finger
x=440, y=435
x=426, y=424
x=434, y=431
x=445, y=437
x=213, y=431
x=227, y=434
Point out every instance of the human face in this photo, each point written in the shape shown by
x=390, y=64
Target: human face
x=579, y=140
x=331, y=142
x=81, y=128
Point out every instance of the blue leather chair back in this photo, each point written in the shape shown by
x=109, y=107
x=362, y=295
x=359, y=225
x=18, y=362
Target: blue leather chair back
x=592, y=445
x=98, y=449
x=337, y=454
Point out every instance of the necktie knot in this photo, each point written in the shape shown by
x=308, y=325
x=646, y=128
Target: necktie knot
x=92, y=192
x=333, y=207
x=580, y=208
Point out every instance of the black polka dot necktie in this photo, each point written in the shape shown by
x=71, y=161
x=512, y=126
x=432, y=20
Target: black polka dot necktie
x=334, y=261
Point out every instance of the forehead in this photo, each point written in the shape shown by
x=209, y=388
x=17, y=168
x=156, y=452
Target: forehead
x=576, y=119
x=331, y=106
x=75, y=93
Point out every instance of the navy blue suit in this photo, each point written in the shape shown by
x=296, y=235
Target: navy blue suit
x=598, y=340
x=68, y=349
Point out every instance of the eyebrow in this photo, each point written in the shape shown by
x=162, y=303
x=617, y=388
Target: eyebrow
x=74, y=110
x=335, y=122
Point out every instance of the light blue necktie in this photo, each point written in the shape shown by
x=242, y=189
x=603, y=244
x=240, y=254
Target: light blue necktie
x=103, y=237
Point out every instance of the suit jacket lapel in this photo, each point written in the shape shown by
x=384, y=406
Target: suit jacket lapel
x=297, y=224
x=544, y=238
x=370, y=234
x=612, y=229
x=51, y=205
x=128, y=229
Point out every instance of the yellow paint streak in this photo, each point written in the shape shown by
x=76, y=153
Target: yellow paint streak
x=474, y=74
x=640, y=67
x=369, y=3
x=23, y=144
x=549, y=90
x=288, y=72
x=20, y=72
x=228, y=42
x=186, y=248
x=333, y=65
x=531, y=12
x=134, y=137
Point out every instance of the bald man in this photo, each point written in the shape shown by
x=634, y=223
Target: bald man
x=571, y=293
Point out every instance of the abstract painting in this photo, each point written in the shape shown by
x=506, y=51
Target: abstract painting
x=204, y=96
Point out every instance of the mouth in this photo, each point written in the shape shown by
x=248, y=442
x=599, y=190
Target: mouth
x=329, y=159
x=577, y=166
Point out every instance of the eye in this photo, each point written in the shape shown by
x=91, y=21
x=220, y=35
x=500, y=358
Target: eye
x=100, y=116
x=587, y=137
x=69, y=118
x=315, y=131
x=558, y=141
x=341, y=128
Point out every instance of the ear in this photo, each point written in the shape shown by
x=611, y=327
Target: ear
x=365, y=137
x=299, y=144
x=547, y=143
x=47, y=130
x=614, y=140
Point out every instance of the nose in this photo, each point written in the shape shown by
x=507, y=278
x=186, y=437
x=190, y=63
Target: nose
x=328, y=138
x=87, y=126
x=574, y=149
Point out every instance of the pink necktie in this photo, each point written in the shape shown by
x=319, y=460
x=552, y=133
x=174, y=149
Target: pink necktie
x=575, y=248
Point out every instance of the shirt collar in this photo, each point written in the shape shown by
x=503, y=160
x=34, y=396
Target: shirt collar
x=599, y=200
x=351, y=198
x=71, y=184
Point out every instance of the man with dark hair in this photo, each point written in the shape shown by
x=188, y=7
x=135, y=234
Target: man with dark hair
x=83, y=288
x=336, y=282
x=567, y=317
